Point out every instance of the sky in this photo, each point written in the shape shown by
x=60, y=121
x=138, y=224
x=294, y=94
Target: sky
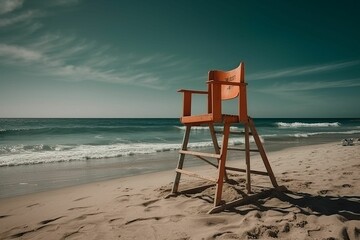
x=128, y=58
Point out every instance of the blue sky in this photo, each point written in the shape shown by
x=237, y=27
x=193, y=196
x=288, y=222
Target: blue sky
x=86, y=58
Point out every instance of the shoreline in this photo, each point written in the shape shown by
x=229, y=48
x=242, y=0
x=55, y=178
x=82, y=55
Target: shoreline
x=324, y=202
x=51, y=176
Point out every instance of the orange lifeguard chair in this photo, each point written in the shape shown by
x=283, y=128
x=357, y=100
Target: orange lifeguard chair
x=222, y=85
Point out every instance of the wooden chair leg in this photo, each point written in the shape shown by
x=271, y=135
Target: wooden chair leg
x=262, y=152
x=247, y=158
x=214, y=139
x=216, y=145
x=222, y=163
x=181, y=159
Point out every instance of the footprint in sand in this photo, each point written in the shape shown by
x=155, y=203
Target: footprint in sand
x=115, y=219
x=123, y=198
x=301, y=224
x=147, y=203
x=127, y=189
x=79, y=208
x=151, y=208
x=346, y=185
x=84, y=216
x=258, y=232
x=50, y=220
x=226, y=235
x=305, y=184
x=143, y=219
x=73, y=234
x=323, y=191
x=82, y=198
x=286, y=228
x=213, y=221
x=33, y=205
x=176, y=218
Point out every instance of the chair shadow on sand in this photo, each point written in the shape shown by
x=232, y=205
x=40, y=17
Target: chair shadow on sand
x=307, y=204
x=346, y=206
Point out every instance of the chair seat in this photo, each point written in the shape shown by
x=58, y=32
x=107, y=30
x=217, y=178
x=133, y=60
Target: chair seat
x=208, y=118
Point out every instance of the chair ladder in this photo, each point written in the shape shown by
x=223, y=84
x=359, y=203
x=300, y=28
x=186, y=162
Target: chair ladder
x=221, y=155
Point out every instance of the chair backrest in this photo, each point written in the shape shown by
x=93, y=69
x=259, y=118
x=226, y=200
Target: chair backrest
x=218, y=92
x=236, y=75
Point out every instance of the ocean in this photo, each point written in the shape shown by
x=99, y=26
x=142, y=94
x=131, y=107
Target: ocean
x=42, y=154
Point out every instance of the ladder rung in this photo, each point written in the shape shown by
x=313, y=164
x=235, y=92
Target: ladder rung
x=201, y=154
x=244, y=171
x=207, y=161
x=191, y=174
x=240, y=149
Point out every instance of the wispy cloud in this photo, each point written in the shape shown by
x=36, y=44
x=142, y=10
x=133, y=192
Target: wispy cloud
x=313, y=85
x=22, y=17
x=7, y=6
x=154, y=58
x=73, y=59
x=66, y=2
x=300, y=71
x=19, y=53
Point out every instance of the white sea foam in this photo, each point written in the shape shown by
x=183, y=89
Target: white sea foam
x=308, y=134
x=300, y=124
x=60, y=153
x=21, y=129
x=300, y=135
x=304, y=135
x=82, y=152
x=270, y=135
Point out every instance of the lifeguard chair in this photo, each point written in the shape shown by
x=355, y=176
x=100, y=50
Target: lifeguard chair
x=222, y=85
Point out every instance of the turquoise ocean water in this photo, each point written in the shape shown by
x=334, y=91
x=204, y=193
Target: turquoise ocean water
x=42, y=154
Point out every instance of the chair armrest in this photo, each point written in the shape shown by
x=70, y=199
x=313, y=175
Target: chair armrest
x=193, y=91
x=187, y=100
x=226, y=83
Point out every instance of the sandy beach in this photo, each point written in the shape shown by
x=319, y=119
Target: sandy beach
x=322, y=202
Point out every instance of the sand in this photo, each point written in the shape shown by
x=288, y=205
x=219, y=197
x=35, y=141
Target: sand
x=322, y=202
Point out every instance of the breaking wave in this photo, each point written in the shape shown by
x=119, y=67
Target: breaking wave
x=37, y=154
x=308, y=134
x=301, y=124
